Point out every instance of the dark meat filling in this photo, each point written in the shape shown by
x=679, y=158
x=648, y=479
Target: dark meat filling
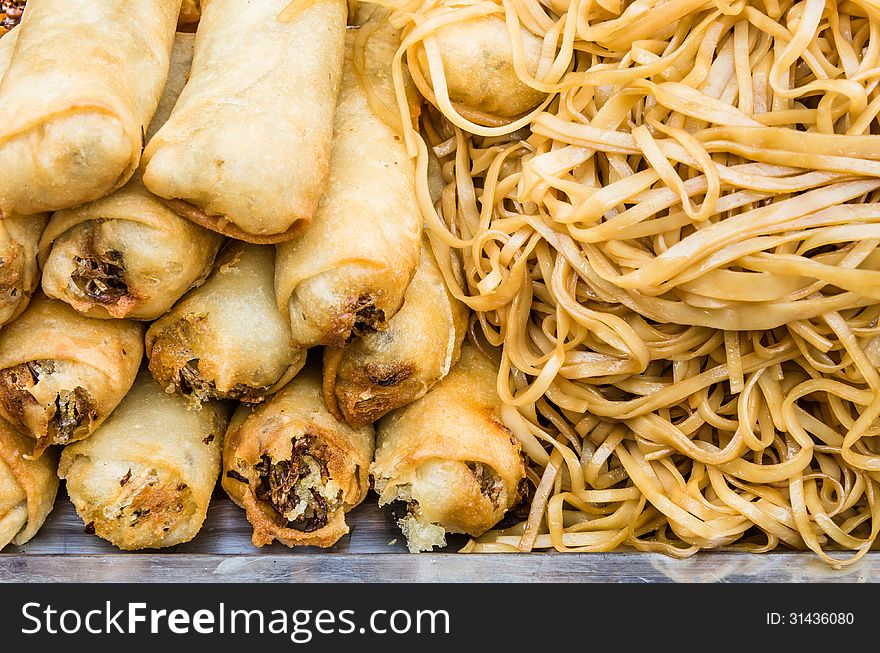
x=13, y=9
x=280, y=485
x=71, y=408
x=100, y=278
x=490, y=482
x=367, y=318
x=190, y=382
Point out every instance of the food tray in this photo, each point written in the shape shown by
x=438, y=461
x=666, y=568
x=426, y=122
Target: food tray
x=375, y=551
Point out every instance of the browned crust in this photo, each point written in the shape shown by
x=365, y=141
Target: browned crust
x=373, y=390
x=223, y=226
x=152, y=508
x=173, y=362
x=332, y=358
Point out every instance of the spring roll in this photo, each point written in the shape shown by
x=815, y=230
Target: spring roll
x=27, y=487
x=145, y=478
x=82, y=86
x=226, y=339
x=449, y=457
x=246, y=149
x=477, y=58
x=129, y=255
x=19, y=272
x=294, y=468
x=388, y=369
x=19, y=235
x=61, y=373
x=347, y=274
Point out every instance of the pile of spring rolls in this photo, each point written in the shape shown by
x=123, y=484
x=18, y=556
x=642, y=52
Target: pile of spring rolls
x=193, y=197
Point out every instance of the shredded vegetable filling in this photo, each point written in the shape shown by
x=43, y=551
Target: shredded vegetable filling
x=675, y=256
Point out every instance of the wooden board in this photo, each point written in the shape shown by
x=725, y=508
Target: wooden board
x=375, y=552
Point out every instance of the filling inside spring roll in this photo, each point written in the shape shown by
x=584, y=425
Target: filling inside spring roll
x=294, y=468
x=299, y=488
x=37, y=395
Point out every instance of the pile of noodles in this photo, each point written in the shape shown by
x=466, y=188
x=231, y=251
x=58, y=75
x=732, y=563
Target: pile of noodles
x=677, y=258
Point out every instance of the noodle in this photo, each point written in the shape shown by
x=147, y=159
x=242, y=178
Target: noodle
x=677, y=253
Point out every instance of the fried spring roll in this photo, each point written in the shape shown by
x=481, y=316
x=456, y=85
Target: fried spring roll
x=144, y=479
x=294, y=468
x=347, y=274
x=83, y=84
x=19, y=235
x=129, y=255
x=226, y=339
x=449, y=457
x=246, y=149
x=61, y=373
x=19, y=272
x=27, y=487
x=386, y=370
x=477, y=58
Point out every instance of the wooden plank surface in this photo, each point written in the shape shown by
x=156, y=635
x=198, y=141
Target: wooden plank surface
x=375, y=552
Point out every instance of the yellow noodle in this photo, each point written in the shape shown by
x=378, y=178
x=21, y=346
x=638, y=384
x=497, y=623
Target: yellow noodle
x=677, y=255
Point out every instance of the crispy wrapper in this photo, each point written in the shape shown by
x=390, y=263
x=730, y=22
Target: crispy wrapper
x=19, y=235
x=294, y=468
x=246, y=150
x=27, y=487
x=145, y=478
x=477, y=58
x=61, y=373
x=129, y=255
x=82, y=86
x=388, y=369
x=347, y=274
x=449, y=457
x=226, y=339
x=19, y=271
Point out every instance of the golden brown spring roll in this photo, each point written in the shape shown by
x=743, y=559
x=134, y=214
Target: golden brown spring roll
x=449, y=457
x=388, y=369
x=347, y=274
x=294, y=468
x=226, y=339
x=19, y=235
x=61, y=373
x=144, y=479
x=246, y=149
x=129, y=255
x=477, y=58
x=27, y=487
x=83, y=84
x=19, y=272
